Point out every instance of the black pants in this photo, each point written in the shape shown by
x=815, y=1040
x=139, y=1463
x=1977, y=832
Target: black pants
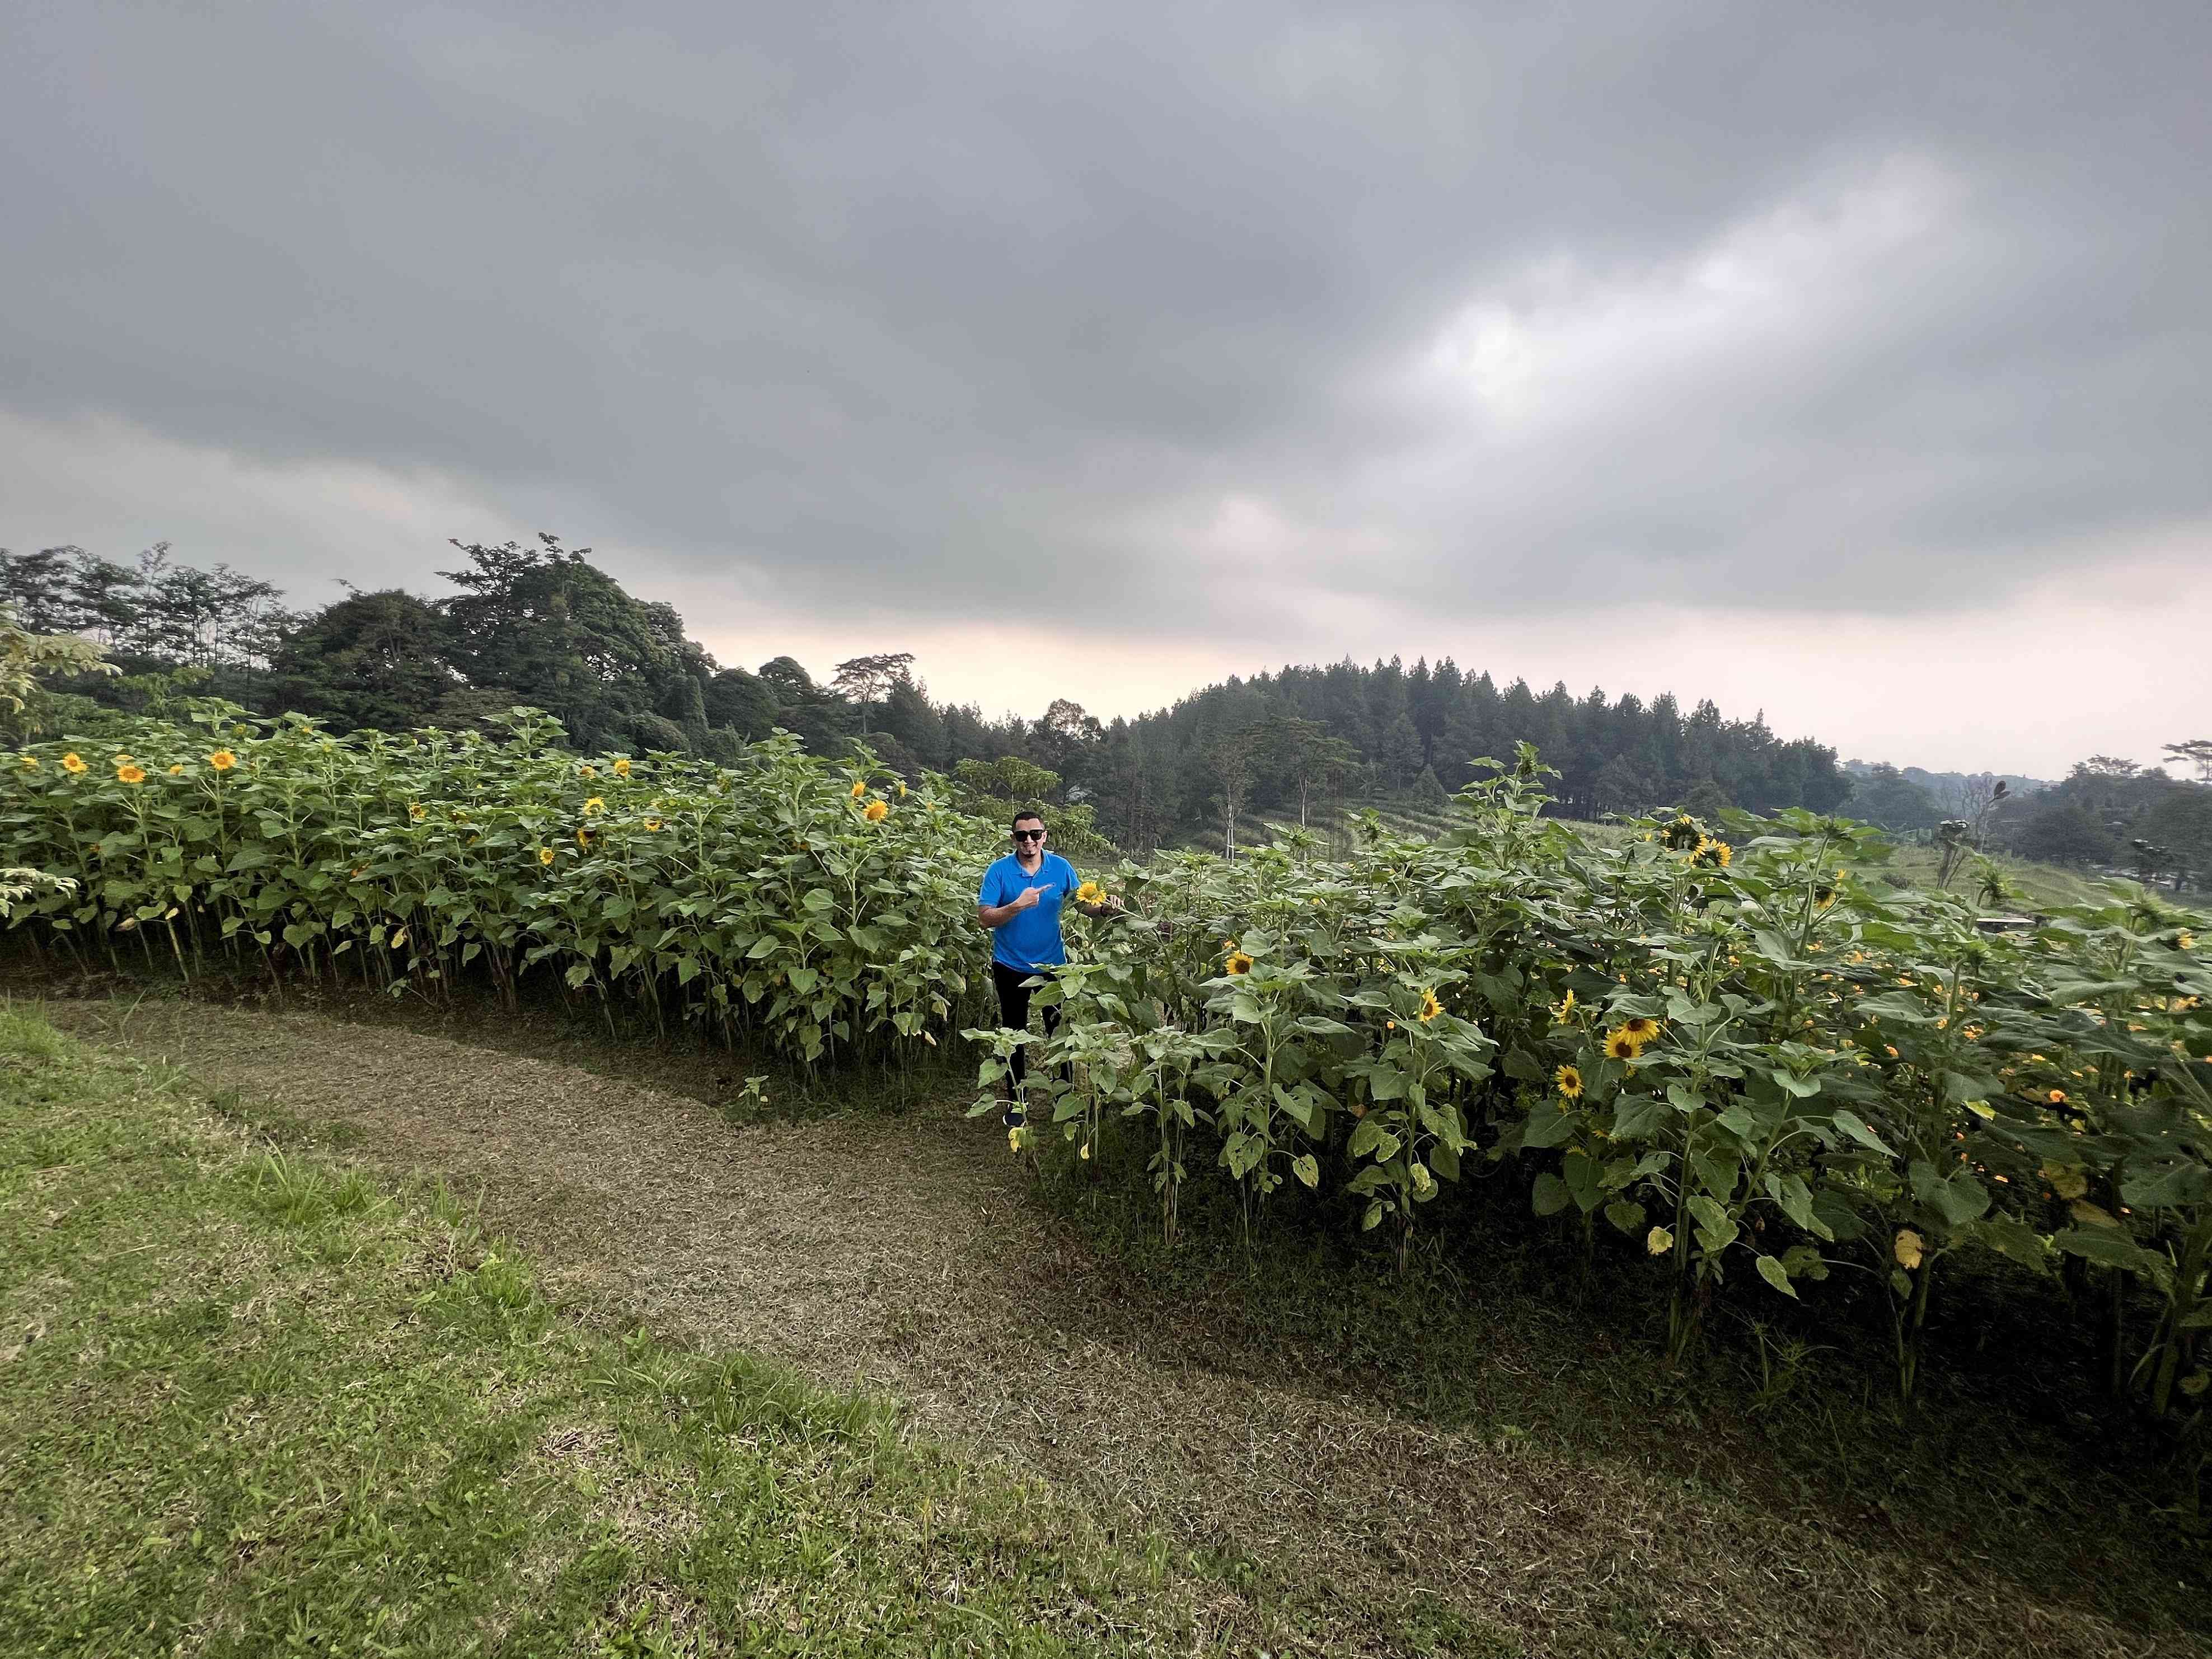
x=1014, y=1009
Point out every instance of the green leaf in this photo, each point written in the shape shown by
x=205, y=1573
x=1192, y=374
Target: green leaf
x=1776, y=1274
x=1854, y=1126
x=1626, y=1215
x=1306, y=1169
x=1550, y=1194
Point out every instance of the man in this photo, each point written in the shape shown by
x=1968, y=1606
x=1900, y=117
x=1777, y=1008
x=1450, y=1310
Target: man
x=1020, y=902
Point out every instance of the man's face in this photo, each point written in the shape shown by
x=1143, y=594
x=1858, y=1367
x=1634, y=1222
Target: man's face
x=1028, y=837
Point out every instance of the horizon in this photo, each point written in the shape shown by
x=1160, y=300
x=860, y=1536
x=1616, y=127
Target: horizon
x=1843, y=367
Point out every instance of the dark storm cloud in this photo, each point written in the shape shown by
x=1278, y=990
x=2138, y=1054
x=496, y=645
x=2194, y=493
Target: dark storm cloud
x=1737, y=304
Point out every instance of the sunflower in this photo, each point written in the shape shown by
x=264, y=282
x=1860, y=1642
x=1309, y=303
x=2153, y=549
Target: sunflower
x=584, y=838
x=1569, y=1082
x=653, y=824
x=30, y=763
x=876, y=810
x=1683, y=835
x=588, y=770
x=622, y=767
x=594, y=806
x=72, y=762
x=416, y=811
x=1907, y=1248
x=902, y=791
x=2181, y=941
x=1564, y=1008
x=1712, y=854
x=545, y=855
x=178, y=768
x=1239, y=962
x=859, y=788
x=1619, y=1045
x=222, y=760
x=1430, y=1006
x=130, y=775
x=1091, y=893
x=1639, y=1029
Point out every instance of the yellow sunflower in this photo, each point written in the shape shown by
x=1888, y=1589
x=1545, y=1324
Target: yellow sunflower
x=1091, y=893
x=416, y=811
x=72, y=762
x=222, y=760
x=30, y=763
x=1569, y=1081
x=902, y=791
x=621, y=768
x=1639, y=1029
x=588, y=770
x=1430, y=1006
x=594, y=806
x=584, y=838
x=545, y=855
x=130, y=775
x=1239, y=962
x=1619, y=1045
x=178, y=768
x=859, y=788
x=876, y=812
x=1564, y=1008
x=653, y=824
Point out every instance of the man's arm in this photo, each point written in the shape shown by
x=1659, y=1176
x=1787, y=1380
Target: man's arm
x=998, y=915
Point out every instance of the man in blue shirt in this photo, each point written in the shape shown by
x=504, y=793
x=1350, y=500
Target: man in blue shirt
x=1020, y=902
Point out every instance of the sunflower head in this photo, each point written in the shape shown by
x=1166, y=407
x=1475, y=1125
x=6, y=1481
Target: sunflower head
x=1091, y=893
x=622, y=767
x=72, y=762
x=901, y=793
x=1712, y=854
x=1639, y=1029
x=222, y=760
x=176, y=768
x=1569, y=1082
x=1430, y=1006
x=588, y=770
x=1683, y=835
x=30, y=763
x=583, y=838
x=876, y=812
x=545, y=855
x=1619, y=1045
x=651, y=823
x=130, y=775
x=416, y=811
x=1237, y=963
x=1563, y=1009
x=859, y=788
x=2181, y=941
x=594, y=806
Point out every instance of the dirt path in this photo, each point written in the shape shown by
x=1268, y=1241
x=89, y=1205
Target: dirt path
x=909, y=1255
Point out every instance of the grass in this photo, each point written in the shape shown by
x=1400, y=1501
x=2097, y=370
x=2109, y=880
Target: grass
x=1317, y=1455
x=254, y=1403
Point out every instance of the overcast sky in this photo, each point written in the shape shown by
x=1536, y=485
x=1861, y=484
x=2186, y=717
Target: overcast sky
x=1851, y=361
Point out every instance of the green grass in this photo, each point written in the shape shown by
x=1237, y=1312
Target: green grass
x=254, y=1404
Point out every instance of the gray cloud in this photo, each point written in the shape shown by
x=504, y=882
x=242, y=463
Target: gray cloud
x=1733, y=303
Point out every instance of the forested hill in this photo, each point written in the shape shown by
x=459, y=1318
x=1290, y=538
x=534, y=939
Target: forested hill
x=541, y=624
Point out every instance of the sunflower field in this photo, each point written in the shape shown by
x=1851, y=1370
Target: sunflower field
x=1730, y=1053
x=1749, y=1059
x=825, y=912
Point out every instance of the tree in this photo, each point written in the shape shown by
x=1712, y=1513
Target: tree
x=862, y=681
x=1308, y=756
x=740, y=703
x=1891, y=799
x=372, y=660
x=26, y=657
x=1229, y=763
x=2196, y=753
x=2065, y=833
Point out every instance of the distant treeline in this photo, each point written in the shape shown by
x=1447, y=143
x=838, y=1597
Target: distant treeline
x=541, y=624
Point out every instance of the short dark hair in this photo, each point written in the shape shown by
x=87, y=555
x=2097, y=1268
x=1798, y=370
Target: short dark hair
x=1026, y=813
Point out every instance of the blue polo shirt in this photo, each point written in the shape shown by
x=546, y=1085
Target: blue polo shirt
x=1031, y=939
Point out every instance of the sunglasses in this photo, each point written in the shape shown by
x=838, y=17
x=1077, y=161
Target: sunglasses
x=1029, y=834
